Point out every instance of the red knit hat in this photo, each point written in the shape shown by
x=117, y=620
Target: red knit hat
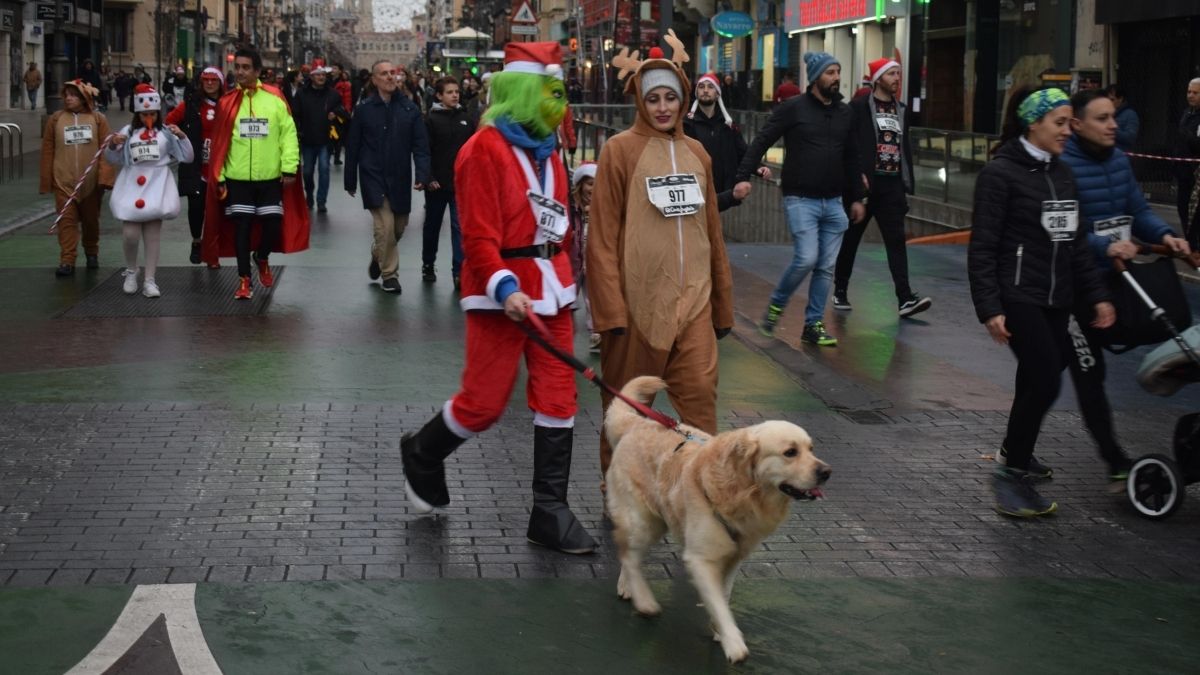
x=878, y=67
x=534, y=58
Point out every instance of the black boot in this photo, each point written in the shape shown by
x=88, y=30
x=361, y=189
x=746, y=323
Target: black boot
x=552, y=524
x=422, y=454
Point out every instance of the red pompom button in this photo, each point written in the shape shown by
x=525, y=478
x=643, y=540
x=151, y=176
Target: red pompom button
x=141, y=203
x=141, y=180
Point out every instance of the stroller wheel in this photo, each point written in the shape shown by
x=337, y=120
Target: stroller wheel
x=1155, y=487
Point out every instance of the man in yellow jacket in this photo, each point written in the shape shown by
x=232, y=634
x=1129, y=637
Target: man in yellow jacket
x=255, y=156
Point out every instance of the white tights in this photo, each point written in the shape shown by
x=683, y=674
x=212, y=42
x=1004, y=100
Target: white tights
x=151, y=233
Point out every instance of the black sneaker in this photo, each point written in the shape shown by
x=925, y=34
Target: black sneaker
x=427, y=274
x=93, y=262
x=321, y=208
x=373, y=270
x=840, y=301
x=914, y=305
x=64, y=270
x=1036, y=469
x=195, y=256
x=770, y=320
x=310, y=204
x=816, y=334
x=1016, y=496
x=391, y=285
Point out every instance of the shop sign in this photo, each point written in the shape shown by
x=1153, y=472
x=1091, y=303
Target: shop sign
x=45, y=11
x=802, y=15
x=732, y=24
x=8, y=20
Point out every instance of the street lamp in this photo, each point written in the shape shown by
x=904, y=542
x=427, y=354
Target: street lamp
x=58, y=62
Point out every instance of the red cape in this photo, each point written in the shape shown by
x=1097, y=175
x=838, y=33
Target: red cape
x=219, y=231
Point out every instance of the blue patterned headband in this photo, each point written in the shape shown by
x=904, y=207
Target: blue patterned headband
x=1041, y=102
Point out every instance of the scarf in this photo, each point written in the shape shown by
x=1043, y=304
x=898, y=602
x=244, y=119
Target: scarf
x=517, y=135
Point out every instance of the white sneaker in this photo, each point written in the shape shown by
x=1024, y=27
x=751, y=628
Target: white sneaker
x=150, y=289
x=131, y=285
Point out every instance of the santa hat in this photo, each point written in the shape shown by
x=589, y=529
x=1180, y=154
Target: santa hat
x=534, y=58
x=146, y=99
x=584, y=170
x=878, y=67
x=213, y=72
x=712, y=79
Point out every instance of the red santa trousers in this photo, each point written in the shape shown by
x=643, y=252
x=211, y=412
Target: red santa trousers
x=495, y=345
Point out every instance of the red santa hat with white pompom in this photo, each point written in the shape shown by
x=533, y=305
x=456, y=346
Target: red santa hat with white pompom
x=534, y=58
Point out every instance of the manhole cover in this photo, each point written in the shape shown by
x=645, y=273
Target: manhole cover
x=186, y=291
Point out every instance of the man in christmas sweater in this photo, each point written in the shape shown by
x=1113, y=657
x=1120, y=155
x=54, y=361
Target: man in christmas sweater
x=513, y=193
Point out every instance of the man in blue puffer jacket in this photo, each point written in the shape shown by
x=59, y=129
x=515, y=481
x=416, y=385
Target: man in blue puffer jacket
x=1111, y=204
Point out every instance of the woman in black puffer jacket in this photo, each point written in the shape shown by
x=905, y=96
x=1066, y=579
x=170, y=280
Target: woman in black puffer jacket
x=1029, y=264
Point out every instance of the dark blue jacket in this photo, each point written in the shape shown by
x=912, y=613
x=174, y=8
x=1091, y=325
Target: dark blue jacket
x=1107, y=188
x=1128, y=125
x=385, y=141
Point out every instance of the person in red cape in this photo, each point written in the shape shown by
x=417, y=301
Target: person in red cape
x=247, y=185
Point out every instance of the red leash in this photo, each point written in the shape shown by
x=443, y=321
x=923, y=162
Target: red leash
x=536, y=330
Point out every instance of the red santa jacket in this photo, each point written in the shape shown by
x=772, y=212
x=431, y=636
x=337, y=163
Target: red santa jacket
x=490, y=184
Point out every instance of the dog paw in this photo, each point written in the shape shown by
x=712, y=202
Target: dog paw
x=647, y=607
x=735, y=649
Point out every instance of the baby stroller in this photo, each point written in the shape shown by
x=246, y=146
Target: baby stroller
x=1156, y=483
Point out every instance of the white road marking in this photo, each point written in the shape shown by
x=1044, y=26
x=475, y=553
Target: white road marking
x=178, y=603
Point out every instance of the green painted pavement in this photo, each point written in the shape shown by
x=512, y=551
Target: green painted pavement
x=580, y=626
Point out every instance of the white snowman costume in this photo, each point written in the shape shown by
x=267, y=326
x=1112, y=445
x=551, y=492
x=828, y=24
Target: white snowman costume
x=145, y=189
x=144, y=194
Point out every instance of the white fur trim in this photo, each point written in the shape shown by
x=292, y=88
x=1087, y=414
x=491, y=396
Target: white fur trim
x=495, y=280
x=453, y=424
x=530, y=67
x=540, y=420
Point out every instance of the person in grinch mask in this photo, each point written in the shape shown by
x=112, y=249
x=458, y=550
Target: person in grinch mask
x=513, y=192
x=659, y=283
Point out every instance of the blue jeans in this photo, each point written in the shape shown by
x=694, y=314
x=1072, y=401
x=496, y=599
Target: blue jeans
x=436, y=202
x=817, y=226
x=316, y=157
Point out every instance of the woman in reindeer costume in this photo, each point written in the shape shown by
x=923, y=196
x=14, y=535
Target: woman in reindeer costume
x=513, y=193
x=659, y=284
x=145, y=193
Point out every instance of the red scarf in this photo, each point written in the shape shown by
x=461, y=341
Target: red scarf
x=220, y=231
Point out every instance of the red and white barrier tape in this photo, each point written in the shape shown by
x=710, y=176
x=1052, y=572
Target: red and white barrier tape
x=79, y=184
x=1193, y=160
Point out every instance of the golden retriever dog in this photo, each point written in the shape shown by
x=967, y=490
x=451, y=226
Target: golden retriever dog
x=720, y=496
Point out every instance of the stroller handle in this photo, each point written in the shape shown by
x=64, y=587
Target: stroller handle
x=1192, y=259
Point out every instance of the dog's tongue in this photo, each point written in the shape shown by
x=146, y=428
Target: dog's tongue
x=816, y=493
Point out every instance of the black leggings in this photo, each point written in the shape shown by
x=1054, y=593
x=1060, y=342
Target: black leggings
x=271, y=228
x=196, y=215
x=1040, y=342
x=1087, y=372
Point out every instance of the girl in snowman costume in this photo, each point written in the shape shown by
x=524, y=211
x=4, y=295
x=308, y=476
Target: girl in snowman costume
x=145, y=193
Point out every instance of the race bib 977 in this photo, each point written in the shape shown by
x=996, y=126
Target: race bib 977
x=677, y=194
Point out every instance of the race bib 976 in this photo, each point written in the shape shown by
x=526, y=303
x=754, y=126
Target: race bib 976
x=77, y=134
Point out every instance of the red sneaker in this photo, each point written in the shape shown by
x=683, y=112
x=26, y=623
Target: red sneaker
x=244, y=291
x=264, y=272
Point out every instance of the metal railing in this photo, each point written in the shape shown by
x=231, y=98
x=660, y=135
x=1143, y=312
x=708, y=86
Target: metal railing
x=11, y=166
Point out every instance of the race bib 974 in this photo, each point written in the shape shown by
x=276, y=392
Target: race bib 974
x=143, y=151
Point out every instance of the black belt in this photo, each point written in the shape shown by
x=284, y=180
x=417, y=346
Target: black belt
x=546, y=250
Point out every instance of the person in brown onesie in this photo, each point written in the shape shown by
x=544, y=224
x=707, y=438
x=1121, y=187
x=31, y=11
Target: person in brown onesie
x=659, y=277
x=70, y=141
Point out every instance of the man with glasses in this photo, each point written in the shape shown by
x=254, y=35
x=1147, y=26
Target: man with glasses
x=387, y=137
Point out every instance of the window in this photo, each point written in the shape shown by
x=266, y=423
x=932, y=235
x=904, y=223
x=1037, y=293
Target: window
x=116, y=30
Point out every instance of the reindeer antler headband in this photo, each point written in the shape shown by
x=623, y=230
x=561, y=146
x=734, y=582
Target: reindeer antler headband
x=629, y=63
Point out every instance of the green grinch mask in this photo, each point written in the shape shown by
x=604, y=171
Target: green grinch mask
x=536, y=102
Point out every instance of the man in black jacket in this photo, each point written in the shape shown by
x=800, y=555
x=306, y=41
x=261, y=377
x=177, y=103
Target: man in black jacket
x=820, y=168
x=449, y=125
x=317, y=106
x=1189, y=141
x=720, y=137
x=885, y=161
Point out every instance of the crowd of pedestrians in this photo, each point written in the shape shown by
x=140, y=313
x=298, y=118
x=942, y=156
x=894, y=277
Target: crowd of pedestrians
x=639, y=229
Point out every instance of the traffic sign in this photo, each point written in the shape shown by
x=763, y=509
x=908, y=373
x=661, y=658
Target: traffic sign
x=524, y=15
x=523, y=29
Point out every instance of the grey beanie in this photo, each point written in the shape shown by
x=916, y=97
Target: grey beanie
x=817, y=62
x=661, y=77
